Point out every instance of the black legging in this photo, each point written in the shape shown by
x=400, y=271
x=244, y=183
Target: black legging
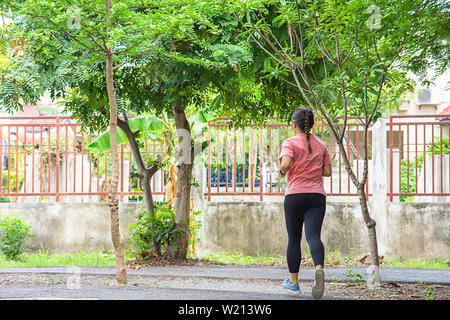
x=310, y=208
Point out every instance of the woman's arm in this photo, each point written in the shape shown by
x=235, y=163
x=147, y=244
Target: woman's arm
x=326, y=170
x=285, y=165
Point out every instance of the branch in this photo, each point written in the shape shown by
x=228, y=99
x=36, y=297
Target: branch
x=128, y=49
x=137, y=175
x=376, y=48
x=131, y=136
x=282, y=54
x=73, y=37
x=351, y=49
x=131, y=59
x=317, y=106
x=162, y=5
x=262, y=47
x=324, y=50
x=154, y=168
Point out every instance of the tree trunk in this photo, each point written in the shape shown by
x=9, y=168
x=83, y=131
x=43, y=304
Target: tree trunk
x=370, y=223
x=182, y=209
x=374, y=271
x=145, y=174
x=113, y=200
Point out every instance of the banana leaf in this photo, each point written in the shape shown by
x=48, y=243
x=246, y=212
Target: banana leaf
x=148, y=128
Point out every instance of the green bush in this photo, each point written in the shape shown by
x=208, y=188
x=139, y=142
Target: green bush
x=152, y=228
x=13, y=234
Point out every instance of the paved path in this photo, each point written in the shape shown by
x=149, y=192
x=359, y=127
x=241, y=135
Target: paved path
x=193, y=283
x=400, y=275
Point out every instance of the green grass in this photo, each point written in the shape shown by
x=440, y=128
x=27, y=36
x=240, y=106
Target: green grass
x=335, y=258
x=400, y=262
x=101, y=258
x=43, y=259
x=240, y=259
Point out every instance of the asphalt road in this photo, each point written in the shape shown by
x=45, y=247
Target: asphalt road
x=400, y=275
x=97, y=292
x=198, y=283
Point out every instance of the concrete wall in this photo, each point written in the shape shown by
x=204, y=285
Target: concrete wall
x=413, y=230
x=70, y=227
x=408, y=229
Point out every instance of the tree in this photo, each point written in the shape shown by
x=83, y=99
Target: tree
x=108, y=58
x=340, y=55
x=117, y=33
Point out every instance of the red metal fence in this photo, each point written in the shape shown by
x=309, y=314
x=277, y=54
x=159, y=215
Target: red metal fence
x=45, y=159
x=419, y=157
x=250, y=154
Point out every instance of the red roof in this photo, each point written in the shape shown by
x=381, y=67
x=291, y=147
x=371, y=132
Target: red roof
x=28, y=111
x=445, y=111
x=32, y=134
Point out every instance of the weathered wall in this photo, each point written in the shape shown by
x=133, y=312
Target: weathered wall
x=70, y=227
x=259, y=227
x=416, y=230
x=408, y=229
x=419, y=229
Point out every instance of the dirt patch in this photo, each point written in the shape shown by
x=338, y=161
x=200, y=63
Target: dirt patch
x=164, y=262
x=390, y=291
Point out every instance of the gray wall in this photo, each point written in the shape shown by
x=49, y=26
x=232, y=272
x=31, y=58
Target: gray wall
x=416, y=230
x=70, y=227
x=413, y=230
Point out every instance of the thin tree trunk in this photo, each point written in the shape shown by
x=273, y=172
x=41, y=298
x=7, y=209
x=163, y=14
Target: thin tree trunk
x=145, y=174
x=182, y=209
x=113, y=200
x=370, y=223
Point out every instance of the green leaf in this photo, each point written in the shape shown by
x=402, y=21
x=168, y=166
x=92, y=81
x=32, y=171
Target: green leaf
x=156, y=125
x=102, y=143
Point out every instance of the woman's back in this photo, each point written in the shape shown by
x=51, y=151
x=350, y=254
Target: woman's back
x=305, y=172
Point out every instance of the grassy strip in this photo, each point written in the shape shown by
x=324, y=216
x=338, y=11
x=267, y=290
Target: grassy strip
x=331, y=259
x=101, y=258
x=43, y=259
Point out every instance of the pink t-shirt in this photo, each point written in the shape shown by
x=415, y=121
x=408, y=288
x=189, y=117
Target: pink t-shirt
x=305, y=172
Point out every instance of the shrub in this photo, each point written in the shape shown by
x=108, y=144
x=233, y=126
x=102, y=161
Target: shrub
x=154, y=228
x=13, y=234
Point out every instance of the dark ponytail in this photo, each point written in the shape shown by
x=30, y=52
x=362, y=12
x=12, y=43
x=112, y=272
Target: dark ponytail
x=304, y=118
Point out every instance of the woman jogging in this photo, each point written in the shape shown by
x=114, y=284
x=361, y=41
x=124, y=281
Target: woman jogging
x=305, y=159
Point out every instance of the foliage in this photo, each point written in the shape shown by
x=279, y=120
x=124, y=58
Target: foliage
x=338, y=61
x=437, y=146
x=15, y=172
x=238, y=258
x=42, y=258
x=353, y=277
x=194, y=227
x=158, y=226
x=13, y=234
x=429, y=293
